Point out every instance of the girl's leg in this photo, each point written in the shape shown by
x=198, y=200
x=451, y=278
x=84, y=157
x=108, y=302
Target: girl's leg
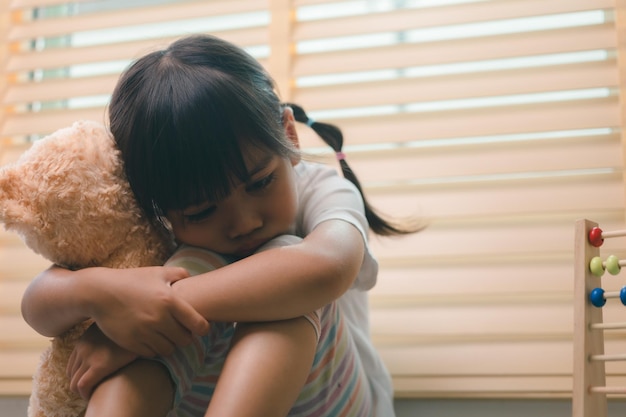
x=265, y=370
x=141, y=389
x=267, y=365
x=268, y=362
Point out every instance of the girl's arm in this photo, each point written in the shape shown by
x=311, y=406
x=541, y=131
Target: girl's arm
x=138, y=308
x=280, y=283
x=134, y=307
x=267, y=361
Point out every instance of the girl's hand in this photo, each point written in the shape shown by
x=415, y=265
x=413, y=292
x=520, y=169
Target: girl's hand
x=94, y=358
x=137, y=309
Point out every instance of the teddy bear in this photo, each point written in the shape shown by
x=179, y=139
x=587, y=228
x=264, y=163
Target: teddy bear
x=68, y=198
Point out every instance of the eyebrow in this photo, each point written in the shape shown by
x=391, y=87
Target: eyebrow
x=260, y=165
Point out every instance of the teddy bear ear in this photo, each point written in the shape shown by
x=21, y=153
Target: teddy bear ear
x=6, y=193
x=15, y=213
x=12, y=209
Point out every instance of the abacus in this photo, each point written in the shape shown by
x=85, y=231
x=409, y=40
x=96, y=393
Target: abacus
x=589, y=396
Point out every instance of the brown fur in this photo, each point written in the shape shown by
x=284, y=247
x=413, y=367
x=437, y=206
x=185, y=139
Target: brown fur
x=69, y=200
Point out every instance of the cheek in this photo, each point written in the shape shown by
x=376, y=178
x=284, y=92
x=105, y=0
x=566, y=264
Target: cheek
x=193, y=235
x=290, y=203
x=280, y=207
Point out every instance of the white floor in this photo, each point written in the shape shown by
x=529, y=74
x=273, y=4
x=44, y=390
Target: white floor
x=16, y=407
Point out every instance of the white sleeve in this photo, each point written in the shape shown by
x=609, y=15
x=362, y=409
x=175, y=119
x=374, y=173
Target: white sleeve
x=324, y=195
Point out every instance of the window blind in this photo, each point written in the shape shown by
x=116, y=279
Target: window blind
x=498, y=123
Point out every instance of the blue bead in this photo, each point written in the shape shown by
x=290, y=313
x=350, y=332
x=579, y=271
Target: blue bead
x=597, y=297
x=622, y=295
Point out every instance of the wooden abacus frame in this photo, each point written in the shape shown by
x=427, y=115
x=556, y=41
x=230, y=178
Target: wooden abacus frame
x=589, y=395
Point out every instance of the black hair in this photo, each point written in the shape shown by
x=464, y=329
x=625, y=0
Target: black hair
x=333, y=136
x=204, y=90
x=201, y=89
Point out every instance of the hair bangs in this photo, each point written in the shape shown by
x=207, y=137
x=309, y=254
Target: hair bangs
x=186, y=118
x=199, y=137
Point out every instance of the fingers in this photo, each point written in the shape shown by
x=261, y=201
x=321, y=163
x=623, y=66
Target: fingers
x=191, y=320
x=165, y=341
x=155, y=345
x=70, y=369
x=84, y=383
x=159, y=346
x=82, y=378
x=151, y=319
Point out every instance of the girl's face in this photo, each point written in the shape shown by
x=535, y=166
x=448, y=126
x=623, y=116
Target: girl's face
x=253, y=213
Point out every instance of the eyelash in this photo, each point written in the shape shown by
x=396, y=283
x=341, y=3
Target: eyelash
x=262, y=184
x=198, y=217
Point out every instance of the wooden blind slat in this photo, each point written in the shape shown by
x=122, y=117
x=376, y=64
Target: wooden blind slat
x=11, y=153
x=20, y=263
x=491, y=387
x=403, y=127
x=479, y=359
x=490, y=159
x=22, y=4
x=19, y=335
x=49, y=121
x=491, y=47
x=441, y=16
x=298, y=3
x=496, y=277
x=482, y=84
x=10, y=296
x=400, y=91
x=59, y=89
x=131, y=16
x=499, y=120
x=470, y=241
x=504, y=198
x=16, y=386
x=65, y=57
x=515, y=319
x=14, y=364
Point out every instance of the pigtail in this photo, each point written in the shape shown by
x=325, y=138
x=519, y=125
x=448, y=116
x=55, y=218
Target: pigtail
x=334, y=138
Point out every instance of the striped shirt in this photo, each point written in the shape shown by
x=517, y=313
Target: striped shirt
x=336, y=386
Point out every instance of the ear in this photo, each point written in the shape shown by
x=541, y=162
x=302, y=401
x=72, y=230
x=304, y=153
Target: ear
x=7, y=188
x=13, y=214
x=289, y=124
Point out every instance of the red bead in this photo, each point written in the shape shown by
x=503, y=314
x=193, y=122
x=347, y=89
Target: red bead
x=595, y=237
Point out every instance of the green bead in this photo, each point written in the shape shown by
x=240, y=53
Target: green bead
x=596, y=267
x=612, y=265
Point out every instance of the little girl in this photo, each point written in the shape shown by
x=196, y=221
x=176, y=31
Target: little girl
x=210, y=151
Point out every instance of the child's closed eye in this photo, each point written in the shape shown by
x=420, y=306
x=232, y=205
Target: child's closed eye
x=261, y=184
x=200, y=216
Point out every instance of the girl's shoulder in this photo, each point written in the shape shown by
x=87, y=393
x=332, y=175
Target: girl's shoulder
x=321, y=176
x=312, y=169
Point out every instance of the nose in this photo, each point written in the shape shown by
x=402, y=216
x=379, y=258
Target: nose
x=244, y=219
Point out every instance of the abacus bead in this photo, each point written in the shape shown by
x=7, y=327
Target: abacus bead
x=597, y=297
x=612, y=265
x=622, y=295
x=596, y=267
x=595, y=237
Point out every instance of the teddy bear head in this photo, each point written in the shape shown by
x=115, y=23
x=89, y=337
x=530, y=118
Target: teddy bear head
x=69, y=200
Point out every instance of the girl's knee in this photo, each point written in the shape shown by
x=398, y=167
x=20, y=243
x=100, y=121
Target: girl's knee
x=143, y=388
